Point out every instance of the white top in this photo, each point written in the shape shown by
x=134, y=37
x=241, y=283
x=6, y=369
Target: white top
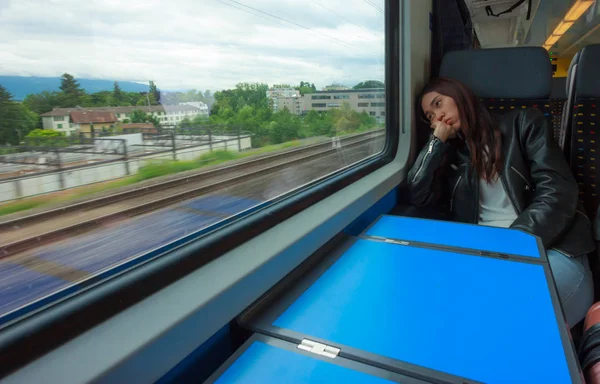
x=495, y=208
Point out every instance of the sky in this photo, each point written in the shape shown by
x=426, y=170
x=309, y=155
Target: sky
x=195, y=44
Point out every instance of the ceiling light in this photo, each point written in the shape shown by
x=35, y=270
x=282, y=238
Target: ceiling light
x=552, y=39
x=578, y=9
x=562, y=28
x=574, y=13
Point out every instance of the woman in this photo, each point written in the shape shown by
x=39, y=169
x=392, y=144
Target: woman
x=505, y=171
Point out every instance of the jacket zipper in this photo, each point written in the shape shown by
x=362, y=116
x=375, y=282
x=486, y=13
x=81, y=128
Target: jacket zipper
x=454, y=190
x=424, y=158
x=508, y=194
x=584, y=215
x=527, y=186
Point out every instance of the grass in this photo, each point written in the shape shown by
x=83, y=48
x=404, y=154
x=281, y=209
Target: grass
x=151, y=170
x=22, y=205
x=271, y=148
x=100, y=187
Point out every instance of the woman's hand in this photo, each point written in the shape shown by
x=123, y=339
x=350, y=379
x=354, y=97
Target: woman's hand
x=442, y=130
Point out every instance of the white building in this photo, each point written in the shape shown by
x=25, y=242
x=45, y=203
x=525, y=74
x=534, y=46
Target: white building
x=58, y=119
x=203, y=107
x=277, y=95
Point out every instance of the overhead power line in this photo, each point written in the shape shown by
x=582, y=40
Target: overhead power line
x=342, y=17
x=374, y=6
x=290, y=22
x=252, y=13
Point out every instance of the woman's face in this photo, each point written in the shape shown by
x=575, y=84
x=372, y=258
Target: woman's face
x=438, y=107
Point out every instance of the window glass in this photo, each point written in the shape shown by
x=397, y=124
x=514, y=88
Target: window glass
x=143, y=129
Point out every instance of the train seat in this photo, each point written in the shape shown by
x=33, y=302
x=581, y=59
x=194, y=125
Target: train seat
x=558, y=99
x=564, y=137
x=505, y=79
x=589, y=348
x=585, y=122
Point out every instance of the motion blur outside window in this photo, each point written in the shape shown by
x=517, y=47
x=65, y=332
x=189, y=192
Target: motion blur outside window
x=127, y=126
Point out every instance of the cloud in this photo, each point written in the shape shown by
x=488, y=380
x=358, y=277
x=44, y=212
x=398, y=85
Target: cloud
x=183, y=44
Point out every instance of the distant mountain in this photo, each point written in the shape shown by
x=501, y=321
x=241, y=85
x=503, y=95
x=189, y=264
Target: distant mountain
x=20, y=86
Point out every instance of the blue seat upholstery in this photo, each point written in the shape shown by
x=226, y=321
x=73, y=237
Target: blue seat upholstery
x=505, y=79
x=564, y=139
x=558, y=99
x=585, y=139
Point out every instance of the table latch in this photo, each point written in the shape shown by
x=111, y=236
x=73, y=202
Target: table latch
x=319, y=348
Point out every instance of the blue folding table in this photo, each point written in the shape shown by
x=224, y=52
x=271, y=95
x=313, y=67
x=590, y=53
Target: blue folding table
x=264, y=359
x=431, y=300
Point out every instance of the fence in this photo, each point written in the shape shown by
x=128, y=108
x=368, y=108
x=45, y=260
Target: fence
x=59, y=170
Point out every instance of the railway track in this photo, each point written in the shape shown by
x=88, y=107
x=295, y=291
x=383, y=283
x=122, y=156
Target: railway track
x=28, y=232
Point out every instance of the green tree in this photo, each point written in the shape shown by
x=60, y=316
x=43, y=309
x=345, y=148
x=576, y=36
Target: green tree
x=284, y=127
x=146, y=99
x=366, y=122
x=153, y=120
x=199, y=120
x=132, y=98
x=305, y=88
x=71, y=93
x=154, y=91
x=369, y=84
x=42, y=102
x=185, y=123
x=16, y=120
x=46, y=137
x=318, y=124
x=345, y=120
x=138, y=116
x=252, y=94
x=117, y=94
x=101, y=99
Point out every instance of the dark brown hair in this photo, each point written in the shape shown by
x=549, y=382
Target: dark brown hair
x=478, y=128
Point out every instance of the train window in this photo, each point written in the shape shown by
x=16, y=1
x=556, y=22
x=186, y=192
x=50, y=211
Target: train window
x=127, y=129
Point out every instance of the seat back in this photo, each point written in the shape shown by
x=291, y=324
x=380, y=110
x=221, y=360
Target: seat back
x=558, y=99
x=504, y=78
x=585, y=122
x=564, y=137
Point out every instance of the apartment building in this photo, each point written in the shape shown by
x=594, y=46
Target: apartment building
x=281, y=98
x=371, y=101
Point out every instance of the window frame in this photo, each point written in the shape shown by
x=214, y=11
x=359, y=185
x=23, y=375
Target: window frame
x=92, y=308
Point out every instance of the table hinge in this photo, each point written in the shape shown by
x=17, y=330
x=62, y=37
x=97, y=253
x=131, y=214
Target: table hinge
x=398, y=242
x=319, y=348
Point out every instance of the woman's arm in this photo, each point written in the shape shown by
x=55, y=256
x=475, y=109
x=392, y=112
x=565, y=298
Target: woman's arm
x=556, y=193
x=421, y=176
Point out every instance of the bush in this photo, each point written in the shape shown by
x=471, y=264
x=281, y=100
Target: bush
x=168, y=167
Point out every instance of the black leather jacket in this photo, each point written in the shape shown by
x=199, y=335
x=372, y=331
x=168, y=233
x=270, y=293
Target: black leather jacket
x=536, y=177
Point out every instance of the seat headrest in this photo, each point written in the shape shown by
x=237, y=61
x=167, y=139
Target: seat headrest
x=520, y=72
x=587, y=82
